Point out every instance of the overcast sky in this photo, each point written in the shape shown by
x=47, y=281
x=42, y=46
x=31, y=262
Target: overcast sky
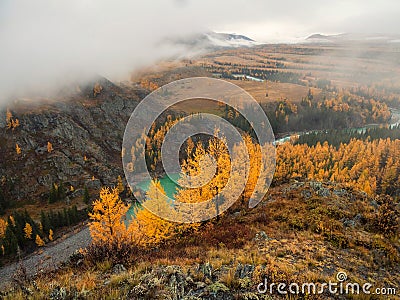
x=46, y=42
x=285, y=20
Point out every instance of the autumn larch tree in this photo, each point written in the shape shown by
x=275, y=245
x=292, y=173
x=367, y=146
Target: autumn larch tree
x=49, y=147
x=18, y=149
x=107, y=224
x=39, y=242
x=147, y=228
x=28, y=231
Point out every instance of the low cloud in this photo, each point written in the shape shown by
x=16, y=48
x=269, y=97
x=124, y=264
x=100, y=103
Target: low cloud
x=47, y=43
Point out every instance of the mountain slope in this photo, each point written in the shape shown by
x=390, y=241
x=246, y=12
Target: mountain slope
x=303, y=232
x=85, y=130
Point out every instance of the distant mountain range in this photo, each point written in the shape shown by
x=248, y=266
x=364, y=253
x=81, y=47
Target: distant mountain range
x=216, y=40
x=353, y=38
x=229, y=40
x=213, y=40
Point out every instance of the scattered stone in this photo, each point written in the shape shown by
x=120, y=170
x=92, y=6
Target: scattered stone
x=218, y=289
x=200, y=285
x=118, y=268
x=374, y=203
x=138, y=292
x=306, y=194
x=324, y=192
x=316, y=185
x=357, y=220
x=206, y=269
x=340, y=192
x=249, y=296
x=44, y=180
x=243, y=271
x=262, y=236
x=349, y=223
x=107, y=282
x=58, y=293
x=293, y=186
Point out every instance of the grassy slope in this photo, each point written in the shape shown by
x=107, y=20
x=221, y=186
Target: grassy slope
x=307, y=241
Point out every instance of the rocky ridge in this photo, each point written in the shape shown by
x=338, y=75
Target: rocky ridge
x=85, y=130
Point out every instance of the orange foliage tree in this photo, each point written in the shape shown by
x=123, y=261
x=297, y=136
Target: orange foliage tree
x=49, y=147
x=107, y=224
x=39, y=242
x=370, y=166
x=28, y=231
x=146, y=227
x=18, y=149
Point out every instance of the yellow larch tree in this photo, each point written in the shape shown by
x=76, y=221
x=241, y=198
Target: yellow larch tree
x=9, y=119
x=147, y=228
x=255, y=165
x=49, y=147
x=195, y=170
x=18, y=149
x=11, y=123
x=12, y=220
x=107, y=224
x=3, y=227
x=51, y=233
x=28, y=231
x=39, y=242
x=15, y=123
x=217, y=148
x=208, y=171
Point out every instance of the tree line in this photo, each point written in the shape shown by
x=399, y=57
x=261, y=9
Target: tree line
x=372, y=166
x=338, y=137
x=19, y=233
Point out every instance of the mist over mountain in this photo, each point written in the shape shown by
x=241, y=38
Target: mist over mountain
x=45, y=45
x=209, y=41
x=368, y=38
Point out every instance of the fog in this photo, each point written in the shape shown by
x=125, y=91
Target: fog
x=44, y=44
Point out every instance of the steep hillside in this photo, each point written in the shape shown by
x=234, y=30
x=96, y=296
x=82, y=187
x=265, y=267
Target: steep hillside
x=85, y=131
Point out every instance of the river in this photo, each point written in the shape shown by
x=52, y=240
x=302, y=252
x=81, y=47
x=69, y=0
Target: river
x=394, y=121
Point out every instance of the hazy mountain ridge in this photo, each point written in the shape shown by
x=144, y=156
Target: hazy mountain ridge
x=353, y=38
x=213, y=40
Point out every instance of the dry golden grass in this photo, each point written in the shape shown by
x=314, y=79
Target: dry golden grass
x=86, y=282
x=345, y=66
x=289, y=255
x=199, y=105
x=276, y=90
